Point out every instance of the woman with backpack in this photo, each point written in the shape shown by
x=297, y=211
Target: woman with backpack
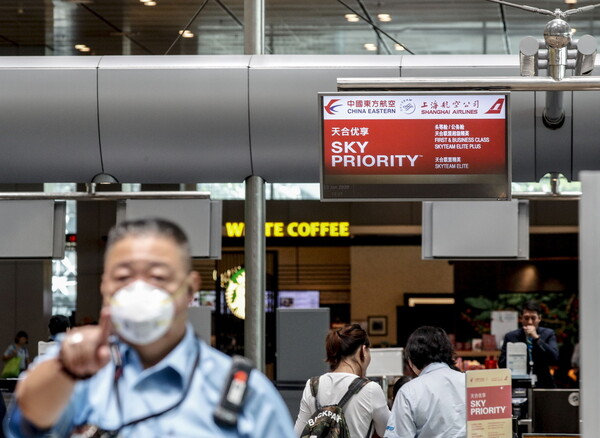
x=364, y=411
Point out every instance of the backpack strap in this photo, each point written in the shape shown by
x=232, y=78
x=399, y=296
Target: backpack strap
x=314, y=388
x=356, y=385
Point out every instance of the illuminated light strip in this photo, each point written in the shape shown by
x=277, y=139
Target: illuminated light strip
x=412, y=302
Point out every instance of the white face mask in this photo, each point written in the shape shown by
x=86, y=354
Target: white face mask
x=141, y=313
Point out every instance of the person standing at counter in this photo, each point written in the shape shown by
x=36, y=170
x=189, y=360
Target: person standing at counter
x=542, y=349
x=18, y=350
x=155, y=378
x=348, y=356
x=432, y=405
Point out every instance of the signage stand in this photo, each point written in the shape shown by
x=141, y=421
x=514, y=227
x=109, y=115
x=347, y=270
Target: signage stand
x=489, y=403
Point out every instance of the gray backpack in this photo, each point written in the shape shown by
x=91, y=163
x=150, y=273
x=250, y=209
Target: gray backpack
x=329, y=421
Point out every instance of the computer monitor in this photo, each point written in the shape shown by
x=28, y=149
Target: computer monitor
x=296, y=299
x=555, y=410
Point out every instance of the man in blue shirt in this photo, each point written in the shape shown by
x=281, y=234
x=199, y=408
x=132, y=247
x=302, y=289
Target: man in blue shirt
x=156, y=379
x=433, y=404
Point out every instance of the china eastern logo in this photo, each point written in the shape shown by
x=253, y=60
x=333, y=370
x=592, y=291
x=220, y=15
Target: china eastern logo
x=496, y=108
x=331, y=108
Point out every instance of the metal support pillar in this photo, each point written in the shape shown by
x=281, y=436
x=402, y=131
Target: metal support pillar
x=254, y=260
x=589, y=302
x=254, y=27
x=255, y=246
x=554, y=113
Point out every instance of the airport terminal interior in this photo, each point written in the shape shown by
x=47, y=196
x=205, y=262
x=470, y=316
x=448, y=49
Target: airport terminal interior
x=106, y=98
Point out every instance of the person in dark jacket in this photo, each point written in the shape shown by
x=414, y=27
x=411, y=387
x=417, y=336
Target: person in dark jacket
x=542, y=349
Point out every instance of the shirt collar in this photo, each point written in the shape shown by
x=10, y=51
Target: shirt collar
x=433, y=367
x=180, y=359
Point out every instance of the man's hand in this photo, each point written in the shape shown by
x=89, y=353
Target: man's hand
x=45, y=392
x=85, y=350
x=531, y=331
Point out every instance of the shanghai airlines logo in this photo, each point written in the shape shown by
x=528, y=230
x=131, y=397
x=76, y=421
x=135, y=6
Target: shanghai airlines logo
x=331, y=108
x=496, y=107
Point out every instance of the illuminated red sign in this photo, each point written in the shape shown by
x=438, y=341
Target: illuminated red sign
x=415, y=146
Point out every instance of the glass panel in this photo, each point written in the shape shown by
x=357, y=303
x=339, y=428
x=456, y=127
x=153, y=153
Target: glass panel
x=296, y=191
x=232, y=191
x=224, y=190
x=64, y=283
x=563, y=185
x=64, y=272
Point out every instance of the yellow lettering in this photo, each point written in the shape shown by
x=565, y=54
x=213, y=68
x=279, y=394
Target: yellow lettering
x=268, y=229
x=291, y=229
x=344, y=229
x=234, y=229
x=314, y=228
x=335, y=229
x=303, y=229
x=294, y=229
x=278, y=229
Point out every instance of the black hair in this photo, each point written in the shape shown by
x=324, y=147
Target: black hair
x=402, y=380
x=531, y=306
x=428, y=345
x=58, y=324
x=344, y=342
x=21, y=334
x=151, y=226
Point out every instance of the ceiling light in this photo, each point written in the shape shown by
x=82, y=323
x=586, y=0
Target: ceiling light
x=399, y=47
x=370, y=47
x=186, y=33
x=384, y=17
x=104, y=178
x=149, y=3
x=352, y=17
x=82, y=47
x=571, y=2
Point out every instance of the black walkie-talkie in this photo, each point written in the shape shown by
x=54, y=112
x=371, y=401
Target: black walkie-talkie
x=234, y=392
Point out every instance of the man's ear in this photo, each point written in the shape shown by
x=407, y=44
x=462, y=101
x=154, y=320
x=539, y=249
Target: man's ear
x=189, y=285
x=414, y=368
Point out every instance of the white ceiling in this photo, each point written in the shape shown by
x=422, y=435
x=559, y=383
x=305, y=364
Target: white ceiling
x=127, y=27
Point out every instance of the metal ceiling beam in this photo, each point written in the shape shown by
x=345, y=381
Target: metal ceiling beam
x=374, y=26
x=103, y=196
x=229, y=12
x=116, y=28
x=472, y=83
x=187, y=26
